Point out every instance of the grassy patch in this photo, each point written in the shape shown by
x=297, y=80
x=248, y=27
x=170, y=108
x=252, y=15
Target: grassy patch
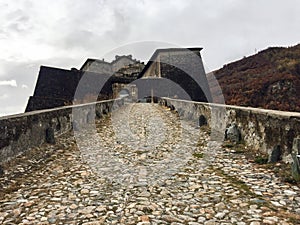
x=198, y=155
x=238, y=148
x=228, y=145
x=241, y=185
x=261, y=160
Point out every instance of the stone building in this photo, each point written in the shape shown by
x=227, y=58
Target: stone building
x=103, y=67
x=58, y=87
x=172, y=72
x=175, y=72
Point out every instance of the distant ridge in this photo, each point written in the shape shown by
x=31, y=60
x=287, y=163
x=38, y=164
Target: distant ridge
x=269, y=79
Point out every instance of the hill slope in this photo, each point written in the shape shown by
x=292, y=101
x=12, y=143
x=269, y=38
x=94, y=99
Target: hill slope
x=269, y=79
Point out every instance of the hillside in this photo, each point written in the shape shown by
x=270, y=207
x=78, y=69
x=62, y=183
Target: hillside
x=270, y=79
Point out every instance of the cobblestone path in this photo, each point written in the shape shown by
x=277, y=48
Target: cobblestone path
x=143, y=165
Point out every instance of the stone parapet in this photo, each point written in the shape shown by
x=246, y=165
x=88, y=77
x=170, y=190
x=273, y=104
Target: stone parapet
x=23, y=131
x=265, y=131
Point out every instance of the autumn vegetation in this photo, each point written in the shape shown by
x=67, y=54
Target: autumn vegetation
x=269, y=79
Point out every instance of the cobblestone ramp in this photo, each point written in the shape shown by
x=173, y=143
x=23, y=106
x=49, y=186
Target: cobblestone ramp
x=143, y=166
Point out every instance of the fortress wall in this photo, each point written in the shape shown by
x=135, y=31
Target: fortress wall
x=183, y=67
x=186, y=69
x=58, y=87
x=20, y=132
x=57, y=83
x=262, y=130
x=99, y=67
x=121, y=63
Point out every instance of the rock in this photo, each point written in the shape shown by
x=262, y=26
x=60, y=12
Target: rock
x=233, y=134
x=17, y=212
x=277, y=204
x=172, y=108
x=52, y=220
x=50, y=135
x=143, y=223
x=73, y=206
x=270, y=220
x=202, y=121
x=99, y=222
x=72, y=197
x=94, y=193
x=210, y=222
x=75, y=125
x=288, y=192
x=220, y=215
x=220, y=206
x=1, y=171
x=201, y=219
x=55, y=199
x=295, y=168
x=84, y=191
x=295, y=159
x=43, y=219
x=29, y=204
x=296, y=146
x=90, y=118
x=144, y=218
x=275, y=155
x=255, y=223
x=171, y=219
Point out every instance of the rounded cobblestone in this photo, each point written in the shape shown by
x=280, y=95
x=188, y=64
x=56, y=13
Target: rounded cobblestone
x=167, y=175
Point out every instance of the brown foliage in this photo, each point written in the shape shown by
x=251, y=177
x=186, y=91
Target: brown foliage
x=269, y=79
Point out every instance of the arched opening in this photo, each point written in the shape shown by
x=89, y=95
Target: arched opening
x=124, y=93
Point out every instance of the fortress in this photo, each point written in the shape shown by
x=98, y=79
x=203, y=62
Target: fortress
x=173, y=72
x=70, y=152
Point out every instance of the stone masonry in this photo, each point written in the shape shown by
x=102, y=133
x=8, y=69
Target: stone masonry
x=74, y=182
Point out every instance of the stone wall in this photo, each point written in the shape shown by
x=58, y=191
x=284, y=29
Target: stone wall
x=121, y=62
x=20, y=132
x=108, y=68
x=58, y=87
x=262, y=130
x=98, y=66
x=184, y=68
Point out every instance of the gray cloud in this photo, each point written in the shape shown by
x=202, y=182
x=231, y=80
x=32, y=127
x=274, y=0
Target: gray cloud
x=65, y=33
x=11, y=83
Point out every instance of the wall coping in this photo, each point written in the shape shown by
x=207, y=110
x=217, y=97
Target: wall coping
x=252, y=109
x=55, y=109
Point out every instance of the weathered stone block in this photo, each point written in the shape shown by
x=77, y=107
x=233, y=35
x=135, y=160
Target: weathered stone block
x=1, y=171
x=172, y=108
x=202, y=121
x=233, y=134
x=50, y=135
x=296, y=159
x=90, y=118
x=296, y=168
x=275, y=155
x=75, y=125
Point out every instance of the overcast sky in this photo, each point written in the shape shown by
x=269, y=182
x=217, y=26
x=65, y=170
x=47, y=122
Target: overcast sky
x=64, y=33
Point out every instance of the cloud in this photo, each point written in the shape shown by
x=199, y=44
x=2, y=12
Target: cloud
x=4, y=96
x=24, y=86
x=12, y=83
x=64, y=33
